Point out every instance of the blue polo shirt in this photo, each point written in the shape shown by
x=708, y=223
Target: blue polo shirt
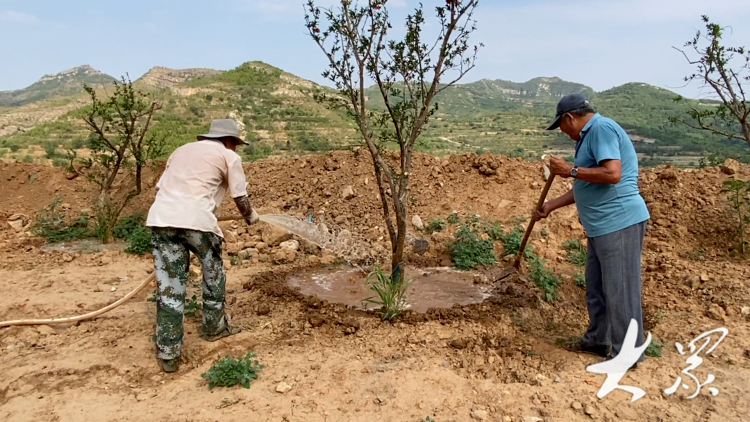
x=606, y=208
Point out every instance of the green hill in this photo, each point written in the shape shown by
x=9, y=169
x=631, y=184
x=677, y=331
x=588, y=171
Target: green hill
x=67, y=83
x=277, y=109
x=281, y=116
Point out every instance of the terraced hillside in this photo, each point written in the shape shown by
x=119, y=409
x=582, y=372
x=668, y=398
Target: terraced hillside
x=281, y=116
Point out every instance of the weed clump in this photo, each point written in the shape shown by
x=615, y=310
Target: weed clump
x=54, y=225
x=654, y=348
x=545, y=279
x=512, y=243
x=133, y=230
x=577, y=252
x=469, y=250
x=494, y=230
x=435, y=226
x=738, y=191
x=139, y=241
x=230, y=371
x=580, y=280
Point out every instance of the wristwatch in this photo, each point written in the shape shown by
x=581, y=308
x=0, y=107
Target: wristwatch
x=574, y=172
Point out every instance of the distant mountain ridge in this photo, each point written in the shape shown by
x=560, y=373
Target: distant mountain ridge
x=65, y=83
x=163, y=77
x=541, y=87
x=280, y=113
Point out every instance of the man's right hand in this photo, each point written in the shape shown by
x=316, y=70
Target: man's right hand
x=543, y=212
x=254, y=217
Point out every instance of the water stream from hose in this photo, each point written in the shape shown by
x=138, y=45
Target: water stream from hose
x=340, y=242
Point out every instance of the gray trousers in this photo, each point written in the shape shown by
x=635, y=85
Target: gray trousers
x=613, y=286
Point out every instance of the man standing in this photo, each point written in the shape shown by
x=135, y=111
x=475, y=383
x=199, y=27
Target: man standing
x=614, y=215
x=182, y=220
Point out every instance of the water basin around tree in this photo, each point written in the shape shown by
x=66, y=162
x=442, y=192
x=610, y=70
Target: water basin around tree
x=430, y=288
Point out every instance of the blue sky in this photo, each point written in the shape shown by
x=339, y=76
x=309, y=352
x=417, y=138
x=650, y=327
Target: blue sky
x=601, y=43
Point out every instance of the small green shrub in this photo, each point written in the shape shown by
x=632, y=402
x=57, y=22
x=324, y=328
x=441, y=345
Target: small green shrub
x=738, y=191
x=127, y=225
x=469, y=250
x=580, y=280
x=235, y=260
x=494, y=230
x=391, y=293
x=512, y=242
x=654, y=348
x=102, y=219
x=139, y=241
x=229, y=371
x=132, y=230
x=50, y=150
x=53, y=224
x=435, y=226
x=59, y=162
x=544, y=278
x=453, y=218
x=577, y=252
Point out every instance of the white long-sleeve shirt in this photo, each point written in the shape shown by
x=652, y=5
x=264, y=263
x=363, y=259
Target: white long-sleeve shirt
x=193, y=185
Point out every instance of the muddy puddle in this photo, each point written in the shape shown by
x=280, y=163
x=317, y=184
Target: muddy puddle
x=430, y=288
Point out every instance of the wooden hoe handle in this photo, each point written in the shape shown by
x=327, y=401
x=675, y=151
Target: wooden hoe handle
x=539, y=204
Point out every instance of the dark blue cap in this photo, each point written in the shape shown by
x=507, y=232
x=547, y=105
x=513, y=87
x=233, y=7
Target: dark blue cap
x=567, y=104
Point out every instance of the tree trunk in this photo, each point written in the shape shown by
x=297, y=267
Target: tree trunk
x=104, y=217
x=108, y=237
x=397, y=257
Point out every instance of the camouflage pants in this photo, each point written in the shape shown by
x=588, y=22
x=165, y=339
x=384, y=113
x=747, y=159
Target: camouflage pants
x=172, y=249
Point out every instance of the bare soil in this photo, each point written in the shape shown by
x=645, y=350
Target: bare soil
x=497, y=360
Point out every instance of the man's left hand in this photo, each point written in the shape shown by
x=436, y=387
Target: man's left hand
x=559, y=167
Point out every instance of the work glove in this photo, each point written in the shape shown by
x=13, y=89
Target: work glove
x=254, y=217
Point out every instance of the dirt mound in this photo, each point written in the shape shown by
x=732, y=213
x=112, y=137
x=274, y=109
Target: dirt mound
x=689, y=212
x=688, y=209
x=497, y=360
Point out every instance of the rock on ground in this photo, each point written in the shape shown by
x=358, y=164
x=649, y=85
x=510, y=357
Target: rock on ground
x=347, y=193
x=416, y=221
x=274, y=236
x=291, y=245
x=283, y=388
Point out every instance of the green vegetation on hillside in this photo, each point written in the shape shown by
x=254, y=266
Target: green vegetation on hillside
x=63, y=84
x=281, y=116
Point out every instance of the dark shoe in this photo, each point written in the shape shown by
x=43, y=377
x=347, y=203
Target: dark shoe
x=579, y=346
x=226, y=332
x=169, y=365
x=632, y=368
